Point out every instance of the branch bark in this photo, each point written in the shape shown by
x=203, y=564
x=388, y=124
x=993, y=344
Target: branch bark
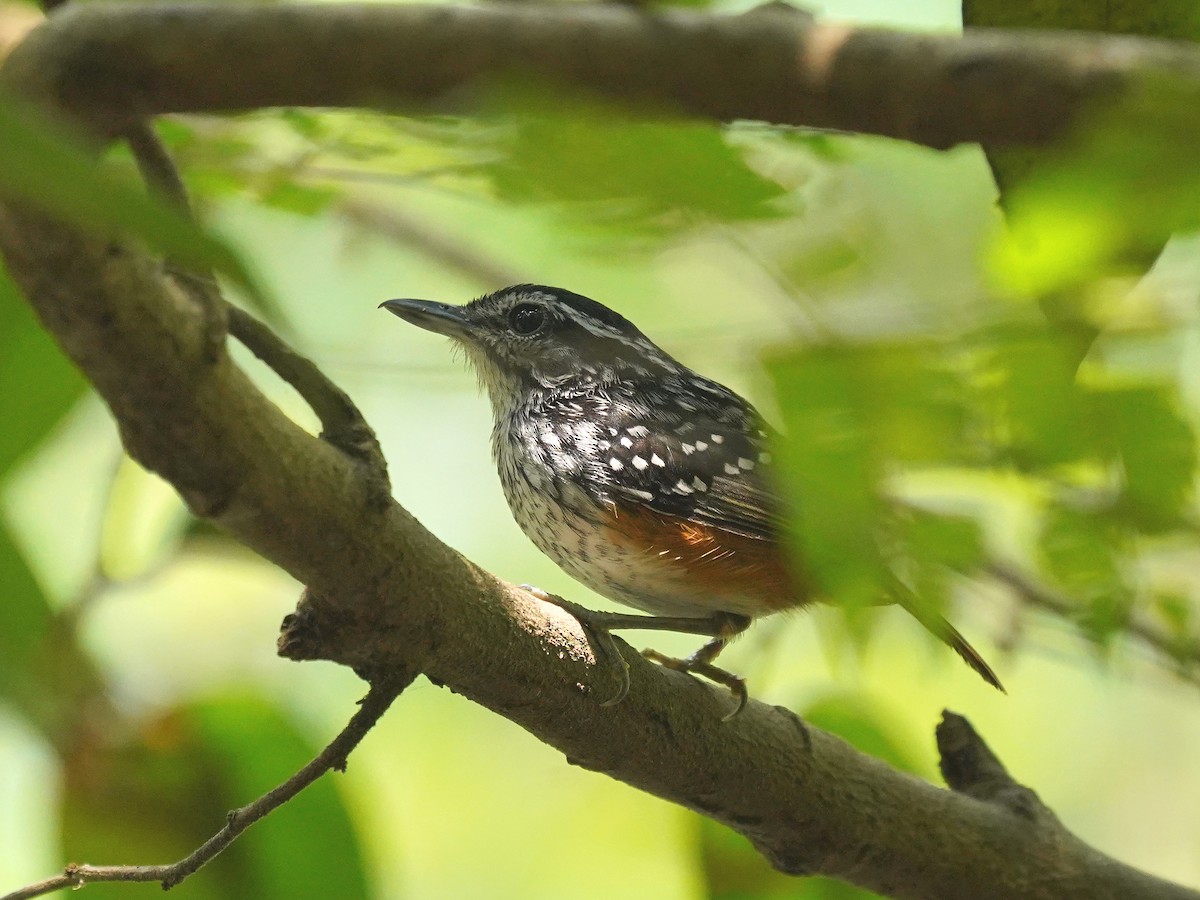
x=384, y=594
x=114, y=65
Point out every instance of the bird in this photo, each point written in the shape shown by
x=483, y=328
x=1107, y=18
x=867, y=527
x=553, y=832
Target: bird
x=645, y=481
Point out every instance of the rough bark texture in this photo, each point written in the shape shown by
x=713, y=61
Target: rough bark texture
x=118, y=64
x=383, y=592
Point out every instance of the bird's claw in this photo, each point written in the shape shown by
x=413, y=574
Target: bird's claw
x=598, y=635
x=697, y=665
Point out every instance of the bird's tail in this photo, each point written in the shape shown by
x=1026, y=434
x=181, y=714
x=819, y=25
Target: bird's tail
x=945, y=632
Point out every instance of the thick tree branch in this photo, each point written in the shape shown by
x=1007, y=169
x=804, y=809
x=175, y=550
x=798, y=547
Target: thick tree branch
x=115, y=65
x=386, y=596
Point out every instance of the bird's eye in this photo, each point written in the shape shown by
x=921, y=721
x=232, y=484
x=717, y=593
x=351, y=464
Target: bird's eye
x=526, y=318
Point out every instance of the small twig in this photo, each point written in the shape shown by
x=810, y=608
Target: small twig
x=378, y=699
x=156, y=166
x=342, y=424
x=1186, y=654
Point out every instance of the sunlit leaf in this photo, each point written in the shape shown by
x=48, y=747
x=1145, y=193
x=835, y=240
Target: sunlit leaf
x=144, y=521
x=291, y=196
x=1105, y=203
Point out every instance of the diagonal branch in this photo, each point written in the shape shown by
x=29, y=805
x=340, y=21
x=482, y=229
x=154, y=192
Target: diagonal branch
x=385, y=595
x=374, y=705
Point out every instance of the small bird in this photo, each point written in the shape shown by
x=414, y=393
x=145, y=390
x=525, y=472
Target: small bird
x=642, y=479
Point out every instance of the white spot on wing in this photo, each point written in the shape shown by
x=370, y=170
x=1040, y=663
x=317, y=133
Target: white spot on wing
x=626, y=442
x=657, y=460
x=698, y=484
x=616, y=464
x=682, y=487
x=746, y=464
x=731, y=470
x=639, y=463
x=688, y=449
x=717, y=439
x=701, y=445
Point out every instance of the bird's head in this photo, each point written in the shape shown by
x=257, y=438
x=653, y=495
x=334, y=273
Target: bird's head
x=530, y=336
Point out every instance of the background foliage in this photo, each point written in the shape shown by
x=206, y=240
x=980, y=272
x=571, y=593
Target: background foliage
x=1003, y=417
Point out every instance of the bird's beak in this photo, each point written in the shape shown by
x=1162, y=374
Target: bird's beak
x=440, y=317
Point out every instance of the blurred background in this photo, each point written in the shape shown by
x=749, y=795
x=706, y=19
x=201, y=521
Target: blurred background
x=1035, y=480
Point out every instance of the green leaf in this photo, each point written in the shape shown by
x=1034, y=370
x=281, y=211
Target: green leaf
x=144, y=522
x=38, y=385
x=1038, y=414
x=25, y=618
x=935, y=546
x=1081, y=552
x=830, y=470
x=41, y=165
x=1157, y=452
x=658, y=175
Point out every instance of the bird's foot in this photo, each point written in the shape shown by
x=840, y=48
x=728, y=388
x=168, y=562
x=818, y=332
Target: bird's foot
x=597, y=627
x=699, y=664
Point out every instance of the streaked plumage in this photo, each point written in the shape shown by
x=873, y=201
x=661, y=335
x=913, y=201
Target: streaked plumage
x=642, y=479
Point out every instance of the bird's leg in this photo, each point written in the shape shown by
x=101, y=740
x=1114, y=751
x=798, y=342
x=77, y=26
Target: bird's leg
x=599, y=626
x=728, y=626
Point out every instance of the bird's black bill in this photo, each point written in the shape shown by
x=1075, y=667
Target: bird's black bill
x=439, y=317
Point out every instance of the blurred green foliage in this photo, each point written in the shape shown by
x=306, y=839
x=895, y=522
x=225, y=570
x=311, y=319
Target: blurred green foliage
x=149, y=796
x=43, y=165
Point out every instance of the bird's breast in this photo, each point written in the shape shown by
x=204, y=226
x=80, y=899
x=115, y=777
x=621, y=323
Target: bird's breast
x=565, y=504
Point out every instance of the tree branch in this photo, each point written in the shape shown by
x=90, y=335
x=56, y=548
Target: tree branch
x=114, y=65
x=374, y=705
x=384, y=595
x=1183, y=650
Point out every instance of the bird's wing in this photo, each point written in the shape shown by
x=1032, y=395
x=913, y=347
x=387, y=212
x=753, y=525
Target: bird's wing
x=710, y=466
